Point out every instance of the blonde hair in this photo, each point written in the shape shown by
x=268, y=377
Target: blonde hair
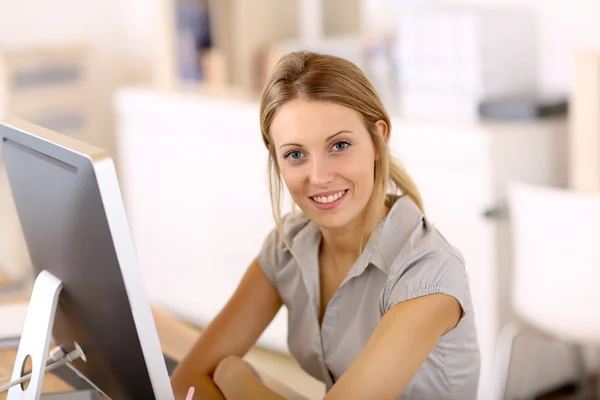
x=318, y=77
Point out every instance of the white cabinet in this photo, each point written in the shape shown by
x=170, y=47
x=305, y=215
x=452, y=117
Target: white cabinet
x=193, y=170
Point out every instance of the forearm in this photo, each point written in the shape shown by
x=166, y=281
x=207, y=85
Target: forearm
x=237, y=382
x=205, y=387
x=247, y=387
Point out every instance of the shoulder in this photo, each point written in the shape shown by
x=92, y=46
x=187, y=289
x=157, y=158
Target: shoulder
x=419, y=260
x=296, y=228
x=426, y=241
x=407, y=235
x=294, y=223
x=425, y=245
x=279, y=247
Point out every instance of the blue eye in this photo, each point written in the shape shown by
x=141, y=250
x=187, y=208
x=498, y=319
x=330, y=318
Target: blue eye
x=339, y=146
x=294, y=155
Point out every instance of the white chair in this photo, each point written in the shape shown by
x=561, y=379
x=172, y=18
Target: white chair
x=556, y=270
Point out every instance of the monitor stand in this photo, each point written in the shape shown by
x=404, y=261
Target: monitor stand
x=35, y=344
x=36, y=336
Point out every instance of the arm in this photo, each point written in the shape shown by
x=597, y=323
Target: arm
x=232, y=333
x=398, y=347
x=236, y=381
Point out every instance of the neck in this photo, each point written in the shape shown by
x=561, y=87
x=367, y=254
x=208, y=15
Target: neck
x=346, y=243
x=343, y=243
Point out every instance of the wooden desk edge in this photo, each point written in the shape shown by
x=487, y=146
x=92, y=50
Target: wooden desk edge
x=176, y=336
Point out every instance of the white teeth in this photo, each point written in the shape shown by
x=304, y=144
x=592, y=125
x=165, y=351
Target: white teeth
x=330, y=198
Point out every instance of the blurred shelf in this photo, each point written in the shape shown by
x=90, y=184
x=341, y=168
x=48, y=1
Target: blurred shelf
x=234, y=41
x=47, y=85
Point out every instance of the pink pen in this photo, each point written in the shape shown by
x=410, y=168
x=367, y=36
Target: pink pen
x=190, y=394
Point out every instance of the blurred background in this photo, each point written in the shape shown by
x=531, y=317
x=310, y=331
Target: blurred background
x=484, y=95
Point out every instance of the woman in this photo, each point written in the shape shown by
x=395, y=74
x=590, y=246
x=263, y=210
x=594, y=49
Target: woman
x=379, y=303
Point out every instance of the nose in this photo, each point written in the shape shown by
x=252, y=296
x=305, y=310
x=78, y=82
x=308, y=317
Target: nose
x=321, y=173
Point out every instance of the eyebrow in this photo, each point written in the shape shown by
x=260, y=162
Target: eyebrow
x=327, y=140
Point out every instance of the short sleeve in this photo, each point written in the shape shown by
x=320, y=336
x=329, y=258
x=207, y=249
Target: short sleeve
x=274, y=253
x=424, y=274
x=270, y=254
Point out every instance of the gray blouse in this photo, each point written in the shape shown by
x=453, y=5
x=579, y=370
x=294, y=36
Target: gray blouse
x=406, y=257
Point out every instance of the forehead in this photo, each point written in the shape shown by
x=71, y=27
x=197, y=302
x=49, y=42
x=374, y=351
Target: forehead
x=301, y=120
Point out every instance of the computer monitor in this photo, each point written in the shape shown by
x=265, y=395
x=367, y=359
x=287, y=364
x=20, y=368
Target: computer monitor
x=75, y=226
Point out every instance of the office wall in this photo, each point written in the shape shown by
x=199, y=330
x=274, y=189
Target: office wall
x=564, y=27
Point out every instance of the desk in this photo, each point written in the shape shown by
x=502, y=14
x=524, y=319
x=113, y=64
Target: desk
x=176, y=338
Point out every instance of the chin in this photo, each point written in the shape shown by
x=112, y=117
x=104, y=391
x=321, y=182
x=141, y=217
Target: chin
x=329, y=222
x=332, y=219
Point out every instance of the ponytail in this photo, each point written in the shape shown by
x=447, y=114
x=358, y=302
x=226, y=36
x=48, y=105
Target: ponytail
x=403, y=182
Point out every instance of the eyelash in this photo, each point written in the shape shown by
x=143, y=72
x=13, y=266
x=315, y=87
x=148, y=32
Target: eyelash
x=345, y=142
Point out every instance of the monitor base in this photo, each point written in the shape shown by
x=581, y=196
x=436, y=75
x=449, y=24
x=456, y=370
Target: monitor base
x=36, y=337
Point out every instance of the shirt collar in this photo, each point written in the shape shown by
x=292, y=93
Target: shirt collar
x=394, y=233
x=383, y=246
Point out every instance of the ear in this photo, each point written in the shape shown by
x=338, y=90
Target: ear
x=382, y=130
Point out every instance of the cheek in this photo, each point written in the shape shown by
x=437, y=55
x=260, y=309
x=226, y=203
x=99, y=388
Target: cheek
x=364, y=179
x=360, y=172
x=293, y=178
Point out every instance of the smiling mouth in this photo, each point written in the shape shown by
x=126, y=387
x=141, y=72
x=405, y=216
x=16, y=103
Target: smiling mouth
x=329, y=199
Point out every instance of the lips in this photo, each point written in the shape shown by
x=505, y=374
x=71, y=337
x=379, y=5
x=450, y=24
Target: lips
x=329, y=200
x=328, y=197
